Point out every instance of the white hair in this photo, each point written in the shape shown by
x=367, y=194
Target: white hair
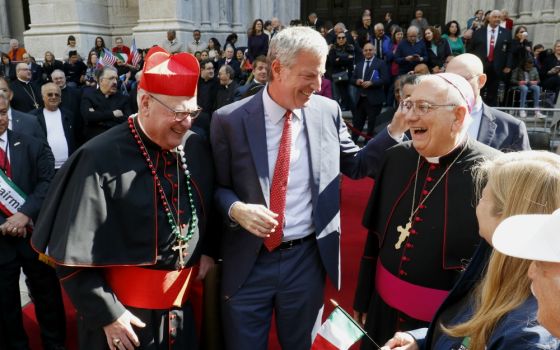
x=288, y=43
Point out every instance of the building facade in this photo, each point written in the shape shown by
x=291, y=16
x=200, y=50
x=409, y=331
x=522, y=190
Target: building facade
x=43, y=25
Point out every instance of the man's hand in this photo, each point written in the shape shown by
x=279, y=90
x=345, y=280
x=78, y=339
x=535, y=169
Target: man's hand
x=398, y=124
x=401, y=341
x=15, y=225
x=359, y=82
x=534, y=82
x=255, y=218
x=522, y=82
x=206, y=264
x=118, y=113
x=366, y=84
x=120, y=334
x=360, y=318
x=507, y=70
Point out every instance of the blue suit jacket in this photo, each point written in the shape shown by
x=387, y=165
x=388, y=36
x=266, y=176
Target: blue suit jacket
x=26, y=123
x=378, y=74
x=240, y=154
x=501, y=131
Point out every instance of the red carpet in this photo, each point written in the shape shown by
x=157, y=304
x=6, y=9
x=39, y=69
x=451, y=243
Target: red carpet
x=353, y=202
x=355, y=194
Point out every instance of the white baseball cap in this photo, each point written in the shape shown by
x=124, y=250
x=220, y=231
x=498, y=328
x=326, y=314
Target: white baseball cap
x=532, y=237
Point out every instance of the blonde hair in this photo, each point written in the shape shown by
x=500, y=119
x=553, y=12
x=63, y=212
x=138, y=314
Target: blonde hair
x=525, y=182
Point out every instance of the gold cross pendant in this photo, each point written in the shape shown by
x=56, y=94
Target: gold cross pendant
x=404, y=233
x=182, y=248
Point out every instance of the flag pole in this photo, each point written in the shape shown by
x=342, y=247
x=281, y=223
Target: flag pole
x=354, y=321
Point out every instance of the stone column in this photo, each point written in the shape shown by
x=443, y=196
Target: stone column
x=4, y=28
x=225, y=17
x=548, y=11
x=236, y=15
x=526, y=9
x=156, y=17
x=204, y=16
x=53, y=20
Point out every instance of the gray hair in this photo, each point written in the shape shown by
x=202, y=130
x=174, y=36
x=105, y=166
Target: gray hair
x=413, y=29
x=288, y=43
x=4, y=96
x=57, y=71
x=379, y=26
x=229, y=70
x=49, y=85
x=340, y=25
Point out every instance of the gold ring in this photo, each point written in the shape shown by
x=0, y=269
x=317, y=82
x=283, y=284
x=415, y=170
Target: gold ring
x=116, y=341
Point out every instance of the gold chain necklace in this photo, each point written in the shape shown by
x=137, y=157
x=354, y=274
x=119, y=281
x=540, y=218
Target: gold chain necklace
x=404, y=232
x=31, y=95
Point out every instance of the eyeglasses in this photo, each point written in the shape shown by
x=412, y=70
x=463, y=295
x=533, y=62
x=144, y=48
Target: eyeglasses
x=421, y=107
x=53, y=94
x=179, y=116
x=341, y=37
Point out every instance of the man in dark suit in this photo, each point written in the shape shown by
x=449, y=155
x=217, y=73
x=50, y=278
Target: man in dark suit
x=278, y=156
x=230, y=60
x=70, y=96
x=260, y=75
x=21, y=122
x=370, y=77
x=489, y=125
x=314, y=21
x=492, y=44
x=104, y=107
x=26, y=94
x=36, y=70
x=28, y=162
x=63, y=129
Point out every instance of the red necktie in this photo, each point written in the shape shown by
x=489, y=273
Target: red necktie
x=491, y=50
x=280, y=183
x=5, y=163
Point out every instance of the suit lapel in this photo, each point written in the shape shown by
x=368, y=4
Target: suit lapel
x=487, y=126
x=256, y=138
x=314, y=129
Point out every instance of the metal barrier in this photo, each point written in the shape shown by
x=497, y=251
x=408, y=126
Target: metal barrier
x=544, y=133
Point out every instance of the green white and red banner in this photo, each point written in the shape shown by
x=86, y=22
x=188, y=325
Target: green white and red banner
x=338, y=332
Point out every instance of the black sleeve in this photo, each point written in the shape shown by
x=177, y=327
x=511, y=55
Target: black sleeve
x=93, y=298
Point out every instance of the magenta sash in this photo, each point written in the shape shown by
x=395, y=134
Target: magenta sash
x=415, y=301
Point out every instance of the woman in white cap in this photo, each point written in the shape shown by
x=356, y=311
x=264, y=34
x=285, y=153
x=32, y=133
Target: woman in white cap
x=497, y=311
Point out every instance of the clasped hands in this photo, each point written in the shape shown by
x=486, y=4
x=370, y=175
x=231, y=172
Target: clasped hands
x=15, y=225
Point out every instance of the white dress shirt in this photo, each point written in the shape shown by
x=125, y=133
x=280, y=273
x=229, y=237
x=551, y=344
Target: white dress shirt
x=56, y=137
x=476, y=118
x=298, y=218
x=489, y=36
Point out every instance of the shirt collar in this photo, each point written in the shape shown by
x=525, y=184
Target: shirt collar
x=274, y=111
x=4, y=138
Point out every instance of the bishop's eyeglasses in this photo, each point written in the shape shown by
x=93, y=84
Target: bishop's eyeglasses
x=421, y=107
x=179, y=116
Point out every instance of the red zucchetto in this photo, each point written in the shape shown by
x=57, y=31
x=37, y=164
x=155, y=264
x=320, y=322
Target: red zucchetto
x=167, y=74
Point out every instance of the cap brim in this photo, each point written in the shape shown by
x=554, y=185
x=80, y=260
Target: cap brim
x=532, y=237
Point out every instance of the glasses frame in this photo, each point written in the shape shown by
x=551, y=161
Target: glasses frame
x=179, y=116
x=412, y=105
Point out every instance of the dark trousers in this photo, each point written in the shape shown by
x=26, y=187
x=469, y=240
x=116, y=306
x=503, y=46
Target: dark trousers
x=365, y=111
x=46, y=294
x=490, y=90
x=289, y=282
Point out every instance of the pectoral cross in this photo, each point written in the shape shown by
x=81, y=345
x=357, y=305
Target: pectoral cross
x=404, y=233
x=181, y=246
x=36, y=105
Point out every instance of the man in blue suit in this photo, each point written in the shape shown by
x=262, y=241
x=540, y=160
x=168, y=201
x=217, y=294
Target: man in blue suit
x=370, y=77
x=489, y=125
x=278, y=156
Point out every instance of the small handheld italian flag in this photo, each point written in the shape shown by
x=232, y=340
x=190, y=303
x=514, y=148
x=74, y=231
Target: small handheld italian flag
x=339, y=331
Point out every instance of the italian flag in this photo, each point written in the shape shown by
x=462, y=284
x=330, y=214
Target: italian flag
x=338, y=332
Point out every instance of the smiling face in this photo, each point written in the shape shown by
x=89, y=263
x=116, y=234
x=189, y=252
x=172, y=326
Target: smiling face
x=51, y=96
x=292, y=87
x=159, y=122
x=436, y=132
x=428, y=35
x=4, y=121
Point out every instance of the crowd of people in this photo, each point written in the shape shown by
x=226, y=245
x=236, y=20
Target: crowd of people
x=127, y=180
